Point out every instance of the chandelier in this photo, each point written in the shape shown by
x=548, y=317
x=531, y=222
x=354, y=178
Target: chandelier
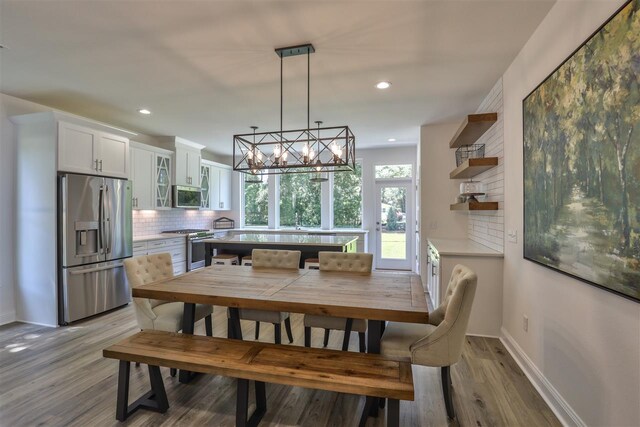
x=317, y=151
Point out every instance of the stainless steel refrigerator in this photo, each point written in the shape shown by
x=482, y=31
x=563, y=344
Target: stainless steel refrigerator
x=94, y=237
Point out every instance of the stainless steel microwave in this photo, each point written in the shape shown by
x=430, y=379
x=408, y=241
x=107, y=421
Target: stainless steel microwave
x=186, y=197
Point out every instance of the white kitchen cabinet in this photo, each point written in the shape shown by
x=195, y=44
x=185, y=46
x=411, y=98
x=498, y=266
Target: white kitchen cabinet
x=187, y=166
x=215, y=187
x=162, y=180
x=175, y=246
x=151, y=176
x=142, y=176
x=444, y=254
x=82, y=149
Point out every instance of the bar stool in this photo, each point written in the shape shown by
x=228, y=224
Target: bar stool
x=224, y=259
x=312, y=264
x=246, y=260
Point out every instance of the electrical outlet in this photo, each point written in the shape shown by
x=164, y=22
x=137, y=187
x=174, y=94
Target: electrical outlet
x=525, y=323
x=512, y=236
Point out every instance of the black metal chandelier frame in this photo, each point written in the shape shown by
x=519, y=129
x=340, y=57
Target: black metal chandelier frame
x=319, y=150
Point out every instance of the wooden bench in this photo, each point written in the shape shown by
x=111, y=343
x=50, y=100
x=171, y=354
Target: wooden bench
x=344, y=372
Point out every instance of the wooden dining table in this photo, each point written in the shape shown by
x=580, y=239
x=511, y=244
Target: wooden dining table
x=377, y=297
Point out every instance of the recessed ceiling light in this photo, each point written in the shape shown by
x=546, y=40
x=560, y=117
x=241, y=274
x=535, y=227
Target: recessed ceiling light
x=391, y=140
x=144, y=111
x=383, y=85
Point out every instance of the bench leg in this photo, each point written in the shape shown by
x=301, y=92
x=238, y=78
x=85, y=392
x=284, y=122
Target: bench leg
x=368, y=405
x=154, y=400
x=347, y=334
x=362, y=342
x=257, y=330
x=307, y=336
x=393, y=413
x=242, y=404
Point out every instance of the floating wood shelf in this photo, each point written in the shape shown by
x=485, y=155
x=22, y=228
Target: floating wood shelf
x=473, y=167
x=475, y=206
x=474, y=126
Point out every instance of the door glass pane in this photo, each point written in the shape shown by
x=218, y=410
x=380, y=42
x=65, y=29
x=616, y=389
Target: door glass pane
x=393, y=222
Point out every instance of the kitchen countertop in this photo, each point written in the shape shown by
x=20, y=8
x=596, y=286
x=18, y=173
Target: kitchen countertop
x=162, y=236
x=463, y=247
x=302, y=231
x=284, y=239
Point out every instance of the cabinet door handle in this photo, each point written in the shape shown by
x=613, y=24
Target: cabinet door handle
x=96, y=166
x=100, y=165
x=433, y=269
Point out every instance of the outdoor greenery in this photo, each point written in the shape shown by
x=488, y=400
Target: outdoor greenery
x=347, y=199
x=582, y=161
x=300, y=199
x=393, y=171
x=256, y=203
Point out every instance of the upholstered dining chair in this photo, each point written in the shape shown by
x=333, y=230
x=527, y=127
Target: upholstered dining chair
x=271, y=258
x=156, y=314
x=439, y=343
x=339, y=261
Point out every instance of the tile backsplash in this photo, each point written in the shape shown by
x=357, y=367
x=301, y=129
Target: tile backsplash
x=153, y=222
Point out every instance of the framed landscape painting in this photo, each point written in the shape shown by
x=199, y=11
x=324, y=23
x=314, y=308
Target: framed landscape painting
x=581, y=133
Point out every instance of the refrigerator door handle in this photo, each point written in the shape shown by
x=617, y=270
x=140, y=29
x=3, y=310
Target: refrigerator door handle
x=107, y=220
x=101, y=220
x=94, y=270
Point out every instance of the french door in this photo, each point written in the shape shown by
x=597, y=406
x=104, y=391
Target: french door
x=394, y=219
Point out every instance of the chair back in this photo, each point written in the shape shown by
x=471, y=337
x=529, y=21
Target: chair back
x=345, y=261
x=145, y=269
x=271, y=258
x=443, y=346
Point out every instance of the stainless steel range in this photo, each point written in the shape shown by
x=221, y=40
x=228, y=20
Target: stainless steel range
x=195, y=247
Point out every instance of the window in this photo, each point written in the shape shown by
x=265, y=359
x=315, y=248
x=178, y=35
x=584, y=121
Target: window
x=347, y=198
x=393, y=171
x=299, y=201
x=256, y=203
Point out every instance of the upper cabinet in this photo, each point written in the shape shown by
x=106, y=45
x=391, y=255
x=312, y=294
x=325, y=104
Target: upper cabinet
x=84, y=149
x=151, y=177
x=215, y=186
x=187, y=165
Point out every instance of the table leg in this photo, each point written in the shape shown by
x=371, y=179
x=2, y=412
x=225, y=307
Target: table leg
x=374, y=333
x=236, y=328
x=188, y=321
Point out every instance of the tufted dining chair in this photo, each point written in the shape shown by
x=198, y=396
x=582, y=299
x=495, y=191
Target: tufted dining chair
x=271, y=258
x=339, y=261
x=438, y=343
x=153, y=314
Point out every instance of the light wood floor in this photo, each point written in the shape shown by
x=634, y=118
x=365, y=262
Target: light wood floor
x=57, y=377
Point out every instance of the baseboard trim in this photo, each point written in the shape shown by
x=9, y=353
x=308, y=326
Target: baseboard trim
x=7, y=317
x=565, y=413
x=483, y=335
x=48, y=325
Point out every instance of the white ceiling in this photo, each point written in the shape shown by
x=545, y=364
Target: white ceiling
x=207, y=69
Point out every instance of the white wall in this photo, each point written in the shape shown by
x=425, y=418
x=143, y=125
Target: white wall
x=9, y=106
x=584, y=341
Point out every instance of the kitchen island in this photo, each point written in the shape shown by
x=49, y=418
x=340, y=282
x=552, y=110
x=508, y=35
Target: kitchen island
x=242, y=244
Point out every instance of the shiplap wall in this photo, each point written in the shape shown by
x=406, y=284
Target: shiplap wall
x=487, y=227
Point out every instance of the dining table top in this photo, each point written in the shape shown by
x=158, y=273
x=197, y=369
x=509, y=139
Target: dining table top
x=390, y=296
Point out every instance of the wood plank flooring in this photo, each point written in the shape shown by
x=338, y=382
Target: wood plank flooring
x=58, y=377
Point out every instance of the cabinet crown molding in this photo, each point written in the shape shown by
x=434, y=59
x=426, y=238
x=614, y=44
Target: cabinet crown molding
x=56, y=116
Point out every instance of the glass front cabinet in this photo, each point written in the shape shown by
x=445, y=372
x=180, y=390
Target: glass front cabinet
x=163, y=181
x=205, y=186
